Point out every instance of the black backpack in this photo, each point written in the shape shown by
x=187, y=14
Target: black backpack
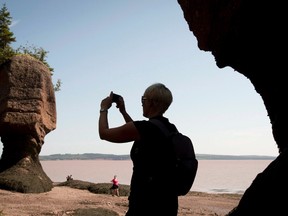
x=185, y=159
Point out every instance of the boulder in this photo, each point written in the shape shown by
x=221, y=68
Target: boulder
x=27, y=114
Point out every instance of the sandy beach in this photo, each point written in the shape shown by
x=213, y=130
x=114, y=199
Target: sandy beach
x=63, y=201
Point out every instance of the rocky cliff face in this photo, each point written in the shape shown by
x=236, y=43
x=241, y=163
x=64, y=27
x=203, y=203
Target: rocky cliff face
x=250, y=37
x=27, y=114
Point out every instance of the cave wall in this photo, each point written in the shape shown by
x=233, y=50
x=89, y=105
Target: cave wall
x=250, y=37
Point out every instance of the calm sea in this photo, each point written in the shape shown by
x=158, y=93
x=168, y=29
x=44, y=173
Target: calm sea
x=213, y=176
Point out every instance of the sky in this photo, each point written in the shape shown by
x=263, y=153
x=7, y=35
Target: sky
x=98, y=46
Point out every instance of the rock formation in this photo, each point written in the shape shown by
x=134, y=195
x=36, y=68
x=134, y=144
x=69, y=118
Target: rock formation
x=27, y=114
x=250, y=37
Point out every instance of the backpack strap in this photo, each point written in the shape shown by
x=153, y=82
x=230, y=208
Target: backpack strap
x=161, y=125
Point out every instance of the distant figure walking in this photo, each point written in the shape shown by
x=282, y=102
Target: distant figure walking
x=69, y=178
x=115, y=186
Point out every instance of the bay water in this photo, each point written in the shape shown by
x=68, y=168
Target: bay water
x=213, y=176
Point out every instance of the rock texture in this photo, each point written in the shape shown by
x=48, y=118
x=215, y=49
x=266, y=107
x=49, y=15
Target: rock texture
x=27, y=114
x=250, y=37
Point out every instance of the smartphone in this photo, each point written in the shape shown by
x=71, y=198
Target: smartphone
x=115, y=97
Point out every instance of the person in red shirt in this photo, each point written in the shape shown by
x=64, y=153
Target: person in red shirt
x=115, y=186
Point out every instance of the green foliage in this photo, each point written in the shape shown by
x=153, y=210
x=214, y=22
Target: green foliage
x=57, y=86
x=6, y=36
x=7, y=52
x=38, y=53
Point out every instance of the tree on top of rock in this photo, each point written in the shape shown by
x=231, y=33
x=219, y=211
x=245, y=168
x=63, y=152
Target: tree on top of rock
x=6, y=36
